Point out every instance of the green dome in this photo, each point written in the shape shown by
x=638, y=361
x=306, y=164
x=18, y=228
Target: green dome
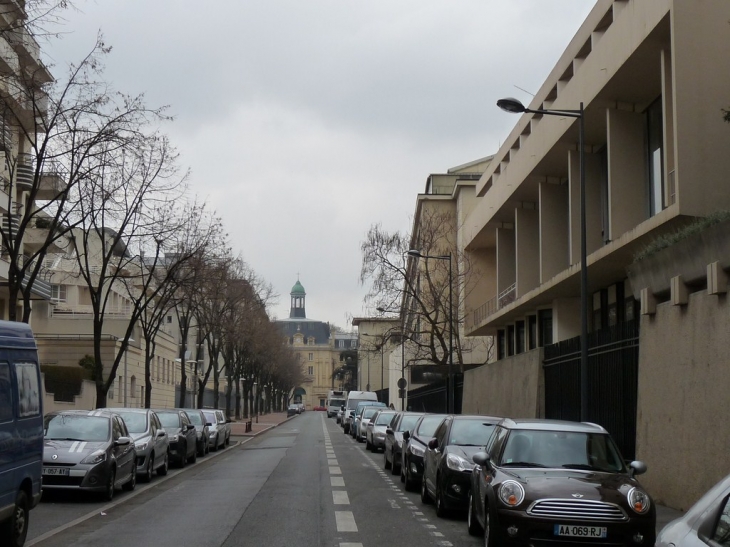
x=298, y=289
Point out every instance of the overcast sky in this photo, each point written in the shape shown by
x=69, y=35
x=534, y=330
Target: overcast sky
x=304, y=122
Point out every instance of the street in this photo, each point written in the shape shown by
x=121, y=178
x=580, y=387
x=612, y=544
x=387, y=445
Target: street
x=303, y=483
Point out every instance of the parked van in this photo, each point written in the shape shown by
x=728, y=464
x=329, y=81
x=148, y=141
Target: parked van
x=335, y=400
x=354, y=397
x=21, y=431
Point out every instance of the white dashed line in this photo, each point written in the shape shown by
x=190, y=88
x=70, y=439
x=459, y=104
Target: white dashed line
x=345, y=521
x=335, y=471
x=339, y=497
x=337, y=481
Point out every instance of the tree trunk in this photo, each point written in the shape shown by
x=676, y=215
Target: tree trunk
x=238, y=400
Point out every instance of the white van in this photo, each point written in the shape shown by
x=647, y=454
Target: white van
x=354, y=397
x=335, y=400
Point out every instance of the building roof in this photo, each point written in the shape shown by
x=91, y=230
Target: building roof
x=298, y=289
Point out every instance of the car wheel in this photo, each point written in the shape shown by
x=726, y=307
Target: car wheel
x=194, y=456
x=110, y=486
x=163, y=469
x=368, y=446
x=201, y=450
x=131, y=484
x=471, y=520
x=183, y=459
x=425, y=498
x=386, y=463
x=228, y=440
x=489, y=540
x=150, y=468
x=16, y=527
x=215, y=444
x=441, y=510
x=402, y=474
x=394, y=467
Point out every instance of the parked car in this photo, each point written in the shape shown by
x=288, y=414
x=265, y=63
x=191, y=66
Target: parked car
x=202, y=432
x=216, y=429
x=359, y=409
x=88, y=450
x=225, y=424
x=353, y=399
x=707, y=522
x=375, y=429
x=548, y=481
x=293, y=410
x=447, y=463
x=21, y=431
x=363, y=420
x=150, y=440
x=320, y=408
x=416, y=441
x=338, y=416
x=181, y=434
x=393, y=441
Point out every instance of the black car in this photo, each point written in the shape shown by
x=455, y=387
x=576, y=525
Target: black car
x=416, y=442
x=88, y=450
x=448, y=464
x=393, y=443
x=551, y=482
x=182, y=435
x=198, y=419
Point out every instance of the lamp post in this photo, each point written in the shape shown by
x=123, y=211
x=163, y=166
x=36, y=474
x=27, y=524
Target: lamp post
x=125, y=371
x=516, y=107
x=450, y=390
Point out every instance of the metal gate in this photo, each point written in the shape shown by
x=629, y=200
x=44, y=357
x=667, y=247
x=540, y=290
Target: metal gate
x=432, y=397
x=613, y=370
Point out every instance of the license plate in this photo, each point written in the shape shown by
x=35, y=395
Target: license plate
x=55, y=471
x=571, y=530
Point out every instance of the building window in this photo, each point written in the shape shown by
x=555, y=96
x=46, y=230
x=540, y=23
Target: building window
x=169, y=318
x=353, y=343
x=545, y=327
x=520, y=337
x=111, y=391
x=58, y=293
x=133, y=387
x=501, y=344
x=340, y=343
x=311, y=371
x=531, y=331
x=311, y=356
x=655, y=156
x=510, y=340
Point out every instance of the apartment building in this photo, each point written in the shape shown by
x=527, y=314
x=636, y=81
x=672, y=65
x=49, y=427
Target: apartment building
x=651, y=78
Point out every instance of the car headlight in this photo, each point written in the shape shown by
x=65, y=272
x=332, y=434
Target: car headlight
x=457, y=463
x=173, y=438
x=639, y=500
x=416, y=450
x=380, y=435
x=511, y=493
x=142, y=444
x=97, y=456
x=212, y=435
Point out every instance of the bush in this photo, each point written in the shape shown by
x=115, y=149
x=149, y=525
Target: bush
x=64, y=382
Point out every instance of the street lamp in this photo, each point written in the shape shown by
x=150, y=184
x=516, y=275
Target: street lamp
x=450, y=391
x=125, y=371
x=516, y=107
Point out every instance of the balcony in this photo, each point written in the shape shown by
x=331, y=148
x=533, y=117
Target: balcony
x=86, y=311
x=9, y=63
x=11, y=224
x=29, y=53
x=493, y=305
x=24, y=172
x=53, y=181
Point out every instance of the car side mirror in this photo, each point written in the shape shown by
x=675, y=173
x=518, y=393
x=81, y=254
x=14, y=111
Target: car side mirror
x=209, y=424
x=637, y=468
x=190, y=426
x=122, y=441
x=388, y=431
x=342, y=408
x=161, y=433
x=433, y=444
x=406, y=435
x=480, y=458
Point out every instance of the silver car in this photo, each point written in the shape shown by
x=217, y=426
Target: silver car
x=150, y=441
x=707, y=522
x=375, y=429
x=363, y=421
x=217, y=434
x=89, y=450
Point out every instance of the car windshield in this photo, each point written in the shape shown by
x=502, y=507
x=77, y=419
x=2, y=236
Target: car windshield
x=368, y=412
x=470, y=432
x=565, y=449
x=169, y=419
x=429, y=424
x=384, y=418
x=136, y=421
x=195, y=418
x=407, y=423
x=210, y=417
x=336, y=402
x=65, y=427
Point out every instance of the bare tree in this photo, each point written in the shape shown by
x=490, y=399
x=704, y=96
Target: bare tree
x=420, y=293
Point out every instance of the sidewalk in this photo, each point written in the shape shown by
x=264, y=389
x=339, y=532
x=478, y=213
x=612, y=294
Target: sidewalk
x=264, y=423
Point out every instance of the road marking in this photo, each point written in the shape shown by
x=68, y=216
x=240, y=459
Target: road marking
x=337, y=481
x=339, y=497
x=436, y=534
x=335, y=471
x=350, y=544
x=332, y=462
x=345, y=521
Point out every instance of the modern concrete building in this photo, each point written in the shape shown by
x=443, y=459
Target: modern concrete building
x=651, y=77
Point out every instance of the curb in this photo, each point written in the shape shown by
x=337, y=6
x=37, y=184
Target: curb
x=252, y=435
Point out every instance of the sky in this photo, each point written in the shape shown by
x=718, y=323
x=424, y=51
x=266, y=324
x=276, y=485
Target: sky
x=305, y=122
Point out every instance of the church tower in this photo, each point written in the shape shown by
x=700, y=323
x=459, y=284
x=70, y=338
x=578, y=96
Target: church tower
x=298, y=296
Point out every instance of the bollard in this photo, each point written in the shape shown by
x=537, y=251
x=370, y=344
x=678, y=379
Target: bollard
x=248, y=426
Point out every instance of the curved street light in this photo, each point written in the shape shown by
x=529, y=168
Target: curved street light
x=514, y=106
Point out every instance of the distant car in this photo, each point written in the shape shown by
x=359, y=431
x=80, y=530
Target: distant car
x=302, y=408
x=447, y=464
x=181, y=434
x=88, y=450
x=393, y=441
x=320, y=408
x=357, y=413
x=375, y=429
x=150, y=441
x=216, y=430
x=707, y=522
x=202, y=432
x=415, y=443
x=363, y=420
x=224, y=424
x=554, y=482
x=293, y=410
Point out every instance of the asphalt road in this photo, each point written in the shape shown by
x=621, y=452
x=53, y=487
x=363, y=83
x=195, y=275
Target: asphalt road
x=303, y=483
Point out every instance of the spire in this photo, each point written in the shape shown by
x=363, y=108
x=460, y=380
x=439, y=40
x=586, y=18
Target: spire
x=298, y=297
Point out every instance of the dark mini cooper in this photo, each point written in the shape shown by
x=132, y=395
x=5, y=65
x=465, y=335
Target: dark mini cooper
x=547, y=482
